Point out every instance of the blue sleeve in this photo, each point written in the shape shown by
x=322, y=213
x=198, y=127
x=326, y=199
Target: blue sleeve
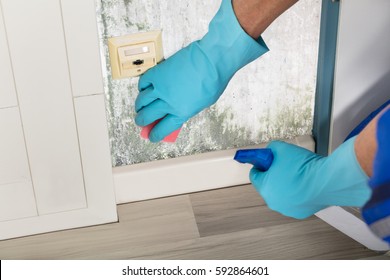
x=376, y=212
x=366, y=121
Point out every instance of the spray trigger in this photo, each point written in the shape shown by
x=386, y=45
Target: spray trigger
x=260, y=158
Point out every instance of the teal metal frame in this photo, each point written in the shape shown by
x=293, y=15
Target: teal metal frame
x=325, y=75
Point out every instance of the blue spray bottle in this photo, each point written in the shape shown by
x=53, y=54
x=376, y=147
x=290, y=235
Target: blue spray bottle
x=260, y=158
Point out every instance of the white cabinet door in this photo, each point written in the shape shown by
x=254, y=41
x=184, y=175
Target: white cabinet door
x=16, y=191
x=55, y=160
x=7, y=90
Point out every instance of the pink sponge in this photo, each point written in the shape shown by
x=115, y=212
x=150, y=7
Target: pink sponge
x=170, y=138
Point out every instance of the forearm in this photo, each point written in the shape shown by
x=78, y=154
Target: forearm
x=366, y=145
x=256, y=15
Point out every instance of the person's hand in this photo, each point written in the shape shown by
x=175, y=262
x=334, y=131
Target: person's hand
x=196, y=76
x=376, y=212
x=299, y=183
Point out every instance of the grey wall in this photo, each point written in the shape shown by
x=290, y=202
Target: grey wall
x=269, y=99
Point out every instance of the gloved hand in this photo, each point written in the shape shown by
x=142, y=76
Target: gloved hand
x=299, y=183
x=195, y=77
x=376, y=212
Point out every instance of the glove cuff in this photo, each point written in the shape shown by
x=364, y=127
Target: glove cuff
x=227, y=44
x=351, y=187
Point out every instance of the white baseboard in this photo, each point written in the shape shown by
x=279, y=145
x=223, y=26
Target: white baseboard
x=185, y=174
x=179, y=176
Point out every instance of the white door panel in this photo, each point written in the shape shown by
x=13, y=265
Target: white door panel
x=54, y=151
x=7, y=91
x=95, y=154
x=42, y=77
x=17, y=201
x=13, y=158
x=16, y=192
x=82, y=46
x=99, y=188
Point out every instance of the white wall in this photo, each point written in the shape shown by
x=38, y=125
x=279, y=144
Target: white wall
x=362, y=77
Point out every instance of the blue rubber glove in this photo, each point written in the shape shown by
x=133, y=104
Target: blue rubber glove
x=299, y=183
x=376, y=212
x=196, y=76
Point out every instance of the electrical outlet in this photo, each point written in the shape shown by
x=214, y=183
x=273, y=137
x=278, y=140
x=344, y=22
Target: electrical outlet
x=132, y=55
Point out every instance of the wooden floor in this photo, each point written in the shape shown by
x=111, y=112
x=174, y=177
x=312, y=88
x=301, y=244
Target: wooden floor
x=231, y=223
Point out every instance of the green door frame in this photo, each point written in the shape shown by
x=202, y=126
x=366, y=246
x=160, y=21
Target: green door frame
x=325, y=75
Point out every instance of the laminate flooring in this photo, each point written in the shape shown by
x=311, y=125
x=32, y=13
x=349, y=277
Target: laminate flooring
x=230, y=223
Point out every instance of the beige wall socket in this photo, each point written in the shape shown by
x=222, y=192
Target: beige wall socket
x=132, y=55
